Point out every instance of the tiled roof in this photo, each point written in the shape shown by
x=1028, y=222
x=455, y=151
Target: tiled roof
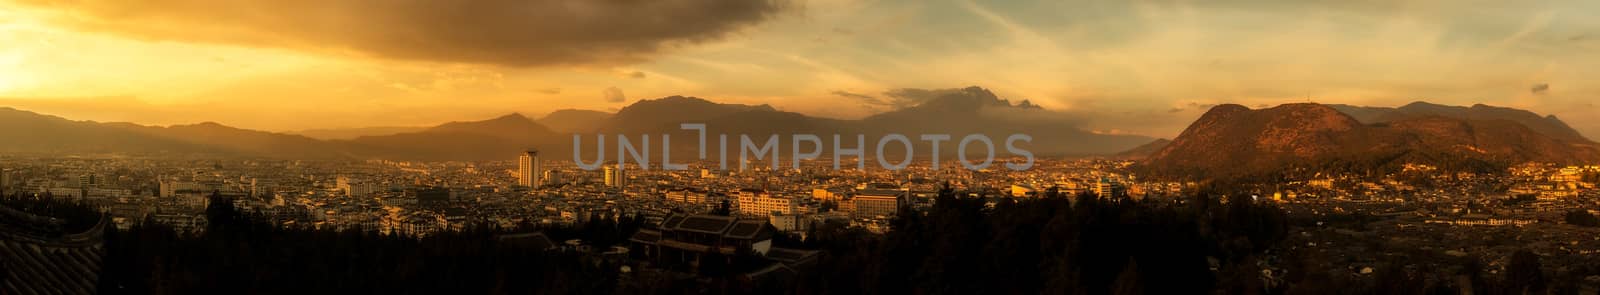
x=772, y=271
x=792, y=256
x=37, y=258
x=706, y=224
x=647, y=236
x=745, y=229
x=672, y=221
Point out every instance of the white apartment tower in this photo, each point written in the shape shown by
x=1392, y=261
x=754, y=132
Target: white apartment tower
x=528, y=171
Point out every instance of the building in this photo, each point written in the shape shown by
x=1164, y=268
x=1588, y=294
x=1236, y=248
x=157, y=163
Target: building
x=615, y=176
x=553, y=176
x=684, y=240
x=88, y=180
x=260, y=187
x=789, y=222
x=432, y=196
x=528, y=171
x=877, y=202
x=70, y=193
x=708, y=173
x=1108, y=187
x=170, y=188
x=696, y=198
x=755, y=202
x=1022, y=190
x=353, y=187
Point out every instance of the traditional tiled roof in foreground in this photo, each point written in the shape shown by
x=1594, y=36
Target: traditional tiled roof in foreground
x=36, y=257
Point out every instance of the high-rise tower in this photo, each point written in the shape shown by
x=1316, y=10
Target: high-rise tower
x=528, y=171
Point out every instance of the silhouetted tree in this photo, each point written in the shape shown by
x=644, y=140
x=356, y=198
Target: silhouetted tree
x=1523, y=274
x=1128, y=282
x=723, y=209
x=1582, y=217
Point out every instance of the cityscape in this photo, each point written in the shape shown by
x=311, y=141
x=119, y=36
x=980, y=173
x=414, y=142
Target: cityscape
x=798, y=147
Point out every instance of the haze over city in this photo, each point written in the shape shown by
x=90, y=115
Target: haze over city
x=1137, y=67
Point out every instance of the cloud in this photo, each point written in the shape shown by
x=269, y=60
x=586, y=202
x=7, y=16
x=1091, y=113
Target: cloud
x=549, y=91
x=863, y=98
x=986, y=103
x=522, y=33
x=1540, y=88
x=906, y=97
x=909, y=97
x=630, y=74
x=612, y=94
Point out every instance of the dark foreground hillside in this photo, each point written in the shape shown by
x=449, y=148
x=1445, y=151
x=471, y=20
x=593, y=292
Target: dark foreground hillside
x=1051, y=245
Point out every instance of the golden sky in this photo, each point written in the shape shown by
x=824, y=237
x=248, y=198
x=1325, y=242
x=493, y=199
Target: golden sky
x=1144, y=67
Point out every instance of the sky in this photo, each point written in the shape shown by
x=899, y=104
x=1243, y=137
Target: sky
x=1134, y=67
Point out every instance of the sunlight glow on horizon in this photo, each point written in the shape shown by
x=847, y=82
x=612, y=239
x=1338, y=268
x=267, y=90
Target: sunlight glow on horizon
x=1141, y=67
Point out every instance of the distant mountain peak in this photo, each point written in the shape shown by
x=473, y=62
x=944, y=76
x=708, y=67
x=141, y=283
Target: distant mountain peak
x=1225, y=109
x=1543, y=124
x=207, y=124
x=679, y=100
x=1234, y=141
x=512, y=116
x=675, y=98
x=574, y=120
x=1420, y=103
x=573, y=111
x=21, y=112
x=514, y=122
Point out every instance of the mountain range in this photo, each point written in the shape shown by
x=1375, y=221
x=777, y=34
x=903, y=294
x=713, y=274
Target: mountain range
x=1227, y=141
x=1301, y=140
x=971, y=110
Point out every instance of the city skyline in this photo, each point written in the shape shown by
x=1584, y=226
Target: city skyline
x=1143, y=68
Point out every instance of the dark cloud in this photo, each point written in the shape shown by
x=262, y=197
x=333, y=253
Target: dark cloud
x=863, y=98
x=612, y=94
x=501, y=32
x=909, y=97
x=549, y=91
x=986, y=103
x=633, y=74
x=1192, y=106
x=1028, y=104
x=1540, y=88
